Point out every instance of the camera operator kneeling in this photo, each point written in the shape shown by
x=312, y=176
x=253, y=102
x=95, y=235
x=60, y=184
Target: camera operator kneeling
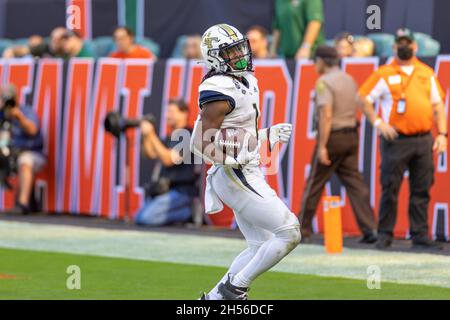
x=26, y=143
x=174, y=183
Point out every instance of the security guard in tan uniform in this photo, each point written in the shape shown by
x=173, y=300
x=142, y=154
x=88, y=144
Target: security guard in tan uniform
x=336, y=150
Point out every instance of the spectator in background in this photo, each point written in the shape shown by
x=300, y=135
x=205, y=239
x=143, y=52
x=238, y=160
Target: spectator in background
x=56, y=45
x=191, y=48
x=126, y=47
x=363, y=47
x=74, y=46
x=38, y=47
x=171, y=193
x=16, y=52
x=347, y=46
x=297, y=28
x=259, y=44
x=412, y=101
x=26, y=141
x=343, y=43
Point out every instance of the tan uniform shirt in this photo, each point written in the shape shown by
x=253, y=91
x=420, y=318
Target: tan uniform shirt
x=338, y=89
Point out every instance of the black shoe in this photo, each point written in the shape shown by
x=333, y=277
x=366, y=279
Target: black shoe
x=19, y=209
x=231, y=292
x=425, y=243
x=383, y=242
x=368, y=238
x=204, y=296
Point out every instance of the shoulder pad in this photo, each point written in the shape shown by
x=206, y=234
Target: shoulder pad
x=220, y=81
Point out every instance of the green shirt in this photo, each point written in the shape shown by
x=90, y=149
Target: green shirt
x=85, y=52
x=291, y=19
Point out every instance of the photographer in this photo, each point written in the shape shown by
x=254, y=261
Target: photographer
x=173, y=185
x=25, y=142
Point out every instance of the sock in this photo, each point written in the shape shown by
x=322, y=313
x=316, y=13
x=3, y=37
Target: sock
x=239, y=281
x=238, y=263
x=268, y=255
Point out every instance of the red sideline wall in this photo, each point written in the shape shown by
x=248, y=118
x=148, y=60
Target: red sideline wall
x=86, y=168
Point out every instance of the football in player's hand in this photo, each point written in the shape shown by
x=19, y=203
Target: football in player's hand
x=232, y=140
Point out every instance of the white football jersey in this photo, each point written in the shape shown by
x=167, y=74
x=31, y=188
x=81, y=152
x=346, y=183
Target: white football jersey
x=244, y=100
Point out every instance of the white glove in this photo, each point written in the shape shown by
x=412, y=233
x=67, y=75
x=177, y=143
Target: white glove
x=280, y=132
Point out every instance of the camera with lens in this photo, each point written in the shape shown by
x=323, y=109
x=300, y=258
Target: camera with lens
x=7, y=154
x=7, y=101
x=116, y=124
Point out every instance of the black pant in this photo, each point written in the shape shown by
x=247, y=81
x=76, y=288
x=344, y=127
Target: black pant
x=343, y=152
x=415, y=154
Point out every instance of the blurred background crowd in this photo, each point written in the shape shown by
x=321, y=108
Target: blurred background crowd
x=289, y=29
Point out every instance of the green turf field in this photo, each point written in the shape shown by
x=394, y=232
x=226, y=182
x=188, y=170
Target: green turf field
x=42, y=275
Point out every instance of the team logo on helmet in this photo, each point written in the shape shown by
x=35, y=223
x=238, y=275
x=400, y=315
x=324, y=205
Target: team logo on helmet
x=207, y=40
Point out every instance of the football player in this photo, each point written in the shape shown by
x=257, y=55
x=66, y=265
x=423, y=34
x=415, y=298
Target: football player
x=229, y=97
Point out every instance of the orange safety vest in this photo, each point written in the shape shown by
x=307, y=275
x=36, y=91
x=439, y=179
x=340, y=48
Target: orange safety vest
x=392, y=85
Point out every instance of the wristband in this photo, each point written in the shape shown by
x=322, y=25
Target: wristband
x=445, y=134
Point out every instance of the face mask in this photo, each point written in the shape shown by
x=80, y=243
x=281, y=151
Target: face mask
x=404, y=53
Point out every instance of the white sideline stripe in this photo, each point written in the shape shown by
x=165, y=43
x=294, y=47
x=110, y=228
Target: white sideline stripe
x=399, y=267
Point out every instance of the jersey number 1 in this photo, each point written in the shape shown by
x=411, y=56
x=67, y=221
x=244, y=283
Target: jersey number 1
x=256, y=119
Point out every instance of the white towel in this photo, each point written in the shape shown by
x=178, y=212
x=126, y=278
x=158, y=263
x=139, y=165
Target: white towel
x=213, y=204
